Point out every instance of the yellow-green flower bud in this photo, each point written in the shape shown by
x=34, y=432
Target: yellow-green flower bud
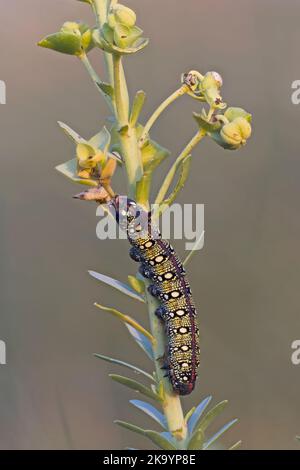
x=111, y=20
x=210, y=87
x=212, y=79
x=123, y=15
x=233, y=113
x=71, y=26
x=236, y=133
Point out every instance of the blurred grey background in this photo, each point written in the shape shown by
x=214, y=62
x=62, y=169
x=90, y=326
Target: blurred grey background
x=53, y=393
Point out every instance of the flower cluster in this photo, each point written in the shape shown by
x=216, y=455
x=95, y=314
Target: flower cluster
x=120, y=34
x=230, y=130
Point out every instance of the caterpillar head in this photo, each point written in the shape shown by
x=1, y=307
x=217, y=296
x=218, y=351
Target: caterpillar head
x=127, y=211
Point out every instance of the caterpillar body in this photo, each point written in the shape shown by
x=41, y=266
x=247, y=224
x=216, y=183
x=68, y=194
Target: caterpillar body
x=160, y=264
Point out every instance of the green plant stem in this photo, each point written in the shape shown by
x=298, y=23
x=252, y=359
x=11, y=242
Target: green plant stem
x=96, y=79
x=128, y=138
x=100, y=8
x=185, y=152
x=122, y=108
x=174, y=96
x=134, y=169
x=171, y=402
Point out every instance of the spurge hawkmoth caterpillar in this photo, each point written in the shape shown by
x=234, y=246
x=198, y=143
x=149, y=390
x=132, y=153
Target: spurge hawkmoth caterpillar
x=161, y=265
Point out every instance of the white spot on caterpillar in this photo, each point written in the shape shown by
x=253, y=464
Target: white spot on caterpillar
x=175, y=294
x=148, y=244
x=180, y=313
x=183, y=330
x=168, y=275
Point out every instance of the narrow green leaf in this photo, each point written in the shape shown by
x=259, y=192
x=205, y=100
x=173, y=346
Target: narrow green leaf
x=137, y=106
x=177, y=165
x=159, y=440
x=211, y=415
x=107, y=89
x=69, y=169
x=101, y=140
x=142, y=341
x=124, y=130
x=143, y=188
x=184, y=173
x=189, y=414
x=218, y=434
x=153, y=154
x=151, y=411
x=137, y=370
x=206, y=124
x=196, y=415
x=126, y=319
x=74, y=136
x=63, y=41
x=121, y=286
x=136, y=284
x=197, y=440
x=136, y=386
x=131, y=427
x=169, y=436
x=236, y=446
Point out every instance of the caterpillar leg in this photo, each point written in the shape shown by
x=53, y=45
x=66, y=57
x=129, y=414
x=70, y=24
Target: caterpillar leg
x=154, y=290
x=165, y=364
x=162, y=313
x=134, y=254
x=145, y=271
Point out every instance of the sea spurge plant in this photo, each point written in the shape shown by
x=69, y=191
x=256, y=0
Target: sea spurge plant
x=126, y=144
